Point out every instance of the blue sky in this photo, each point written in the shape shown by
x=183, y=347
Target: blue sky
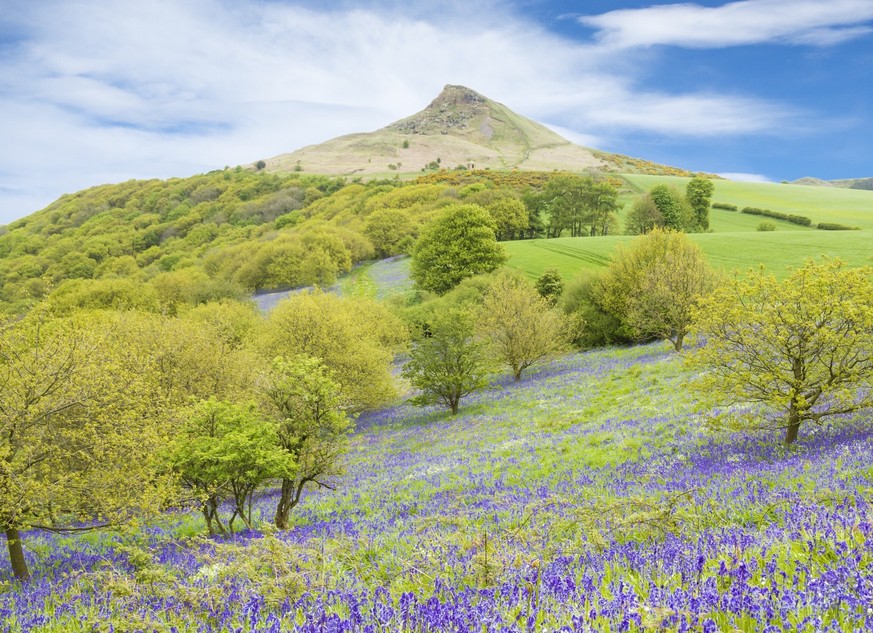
x=97, y=91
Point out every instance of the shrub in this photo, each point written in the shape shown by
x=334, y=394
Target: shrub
x=725, y=206
x=833, y=226
x=766, y=226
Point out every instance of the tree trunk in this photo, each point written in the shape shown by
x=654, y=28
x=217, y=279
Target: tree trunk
x=793, y=425
x=677, y=341
x=286, y=502
x=16, y=554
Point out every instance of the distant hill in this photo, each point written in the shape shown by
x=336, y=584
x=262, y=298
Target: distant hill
x=459, y=129
x=847, y=183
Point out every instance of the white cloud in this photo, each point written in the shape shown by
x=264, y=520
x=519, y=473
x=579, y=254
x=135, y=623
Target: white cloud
x=811, y=22
x=744, y=177
x=106, y=90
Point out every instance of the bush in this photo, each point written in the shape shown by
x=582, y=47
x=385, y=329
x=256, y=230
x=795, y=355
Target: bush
x=802, y=220
x=725, y=206
x=833, y=226
x=766, y=226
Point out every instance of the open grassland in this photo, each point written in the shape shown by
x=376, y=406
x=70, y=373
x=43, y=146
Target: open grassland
x=777, y=251
x=589, y=497
x=852, y=207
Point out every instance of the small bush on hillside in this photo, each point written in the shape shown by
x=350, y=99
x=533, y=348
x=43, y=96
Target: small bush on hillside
x=833, y=226
x=766, y=226
x=725, y=206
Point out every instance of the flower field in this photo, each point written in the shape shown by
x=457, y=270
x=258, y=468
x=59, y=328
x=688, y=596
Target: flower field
x=591, y=496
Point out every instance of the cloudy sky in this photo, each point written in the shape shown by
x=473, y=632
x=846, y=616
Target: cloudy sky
x=97, y=91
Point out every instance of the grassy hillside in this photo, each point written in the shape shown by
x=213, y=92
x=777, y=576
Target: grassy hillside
x=853, y=207
x=590, y=496
x=777, y=250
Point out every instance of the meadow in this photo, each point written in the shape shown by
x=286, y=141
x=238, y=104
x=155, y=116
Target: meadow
x=777, y=251
x=853, y=207
x=591, y=496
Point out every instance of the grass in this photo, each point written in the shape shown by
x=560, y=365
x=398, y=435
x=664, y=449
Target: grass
x=777, y=251
x=852, y=207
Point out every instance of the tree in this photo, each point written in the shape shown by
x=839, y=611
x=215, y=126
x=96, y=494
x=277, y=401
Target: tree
x=601, y=202
x=550, y=285
x=354, y=337
x=459, y=244
x=522, y=326
x=643, y=216
x=510, y=217
x=447, y=362
x=392, y=231
x=699, y=192
x=80, y=423
x=311, y=423
x=226, y=451
x=652, y=285
x=801, y=349
x=672, y=206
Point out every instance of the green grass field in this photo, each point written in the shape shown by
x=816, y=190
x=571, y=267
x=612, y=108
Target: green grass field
x=777, y=251
x=853, y=207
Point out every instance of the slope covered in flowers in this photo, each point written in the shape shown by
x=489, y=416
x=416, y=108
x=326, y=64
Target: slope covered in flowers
x=591, y=496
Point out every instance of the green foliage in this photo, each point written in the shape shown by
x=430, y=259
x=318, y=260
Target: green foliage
x=550, y=285
x=652, y=285
x=643, y=216
x=446, y=361
x=699, y=192
x=80, y=421
x=459, y=244
x=521, y=326
x=312, y=426
x=510, y=217
x=353, y=337
x=835, y=226
x=766, y=226
x=724, y=206
x=789, y=352
x=391, y=231
x=672, y=206
x=592, y=324
x=801, y=220
x=226, y=452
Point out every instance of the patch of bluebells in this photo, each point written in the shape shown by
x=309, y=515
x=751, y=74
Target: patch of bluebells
x=770, y=540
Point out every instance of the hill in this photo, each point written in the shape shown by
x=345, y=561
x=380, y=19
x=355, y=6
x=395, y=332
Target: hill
x=590, y=496
x=460, y=128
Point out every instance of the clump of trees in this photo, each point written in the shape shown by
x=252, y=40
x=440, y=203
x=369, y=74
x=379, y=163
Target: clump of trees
x=664, y=206
x=782, y=354
x=647, y=292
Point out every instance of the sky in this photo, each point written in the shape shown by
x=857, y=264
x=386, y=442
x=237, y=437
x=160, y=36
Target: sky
x=102, y=91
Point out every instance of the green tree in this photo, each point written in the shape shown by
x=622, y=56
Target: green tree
x=447, y=362
x=799, y=349
x=459, y=244
x=226, y=451
x=699, y=192
x=510, y=217
x=312, y=426
x=643, y=216
x=80, y=423
x=354, y=337
x=653, y=285
x=522, y=327
x=672, y=206
x=550, y=285
x=391, y=231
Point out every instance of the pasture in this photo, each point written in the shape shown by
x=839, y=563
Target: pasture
x=777, y=251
